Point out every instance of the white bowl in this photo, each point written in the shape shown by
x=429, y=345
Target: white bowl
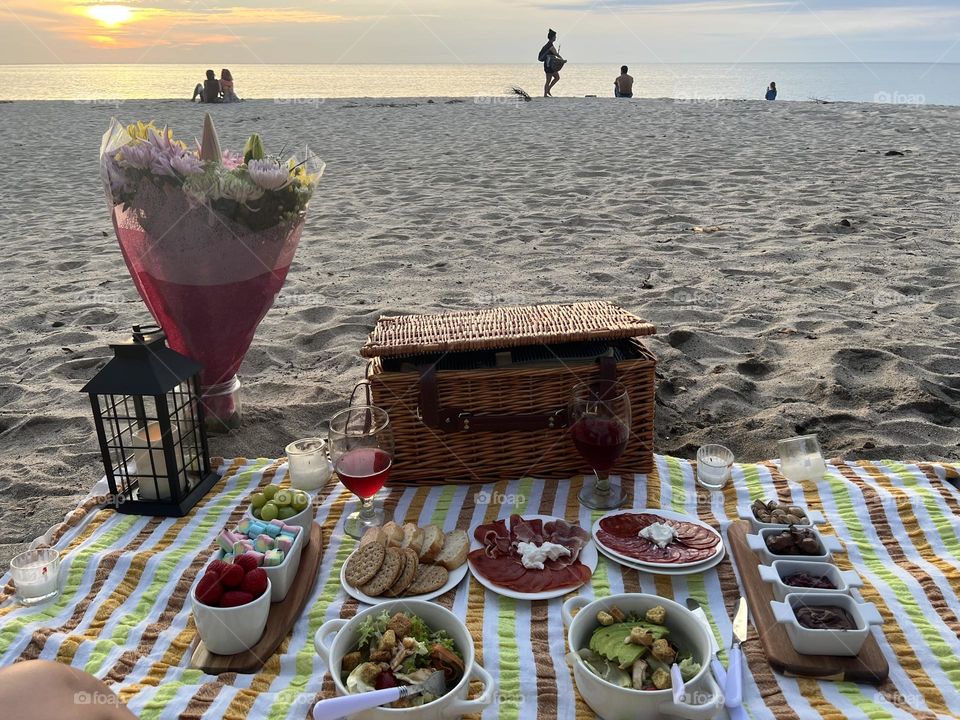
x=814, y=516
x=303, y=519
x=616, y=703
x=807, y=641
x=828, y=545
x=228, y=631
x=842, y=580
x=282, y=576
x=336, y=638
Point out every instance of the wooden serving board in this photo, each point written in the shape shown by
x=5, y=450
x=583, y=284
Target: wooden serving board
x=282, y=617
x=870, y=666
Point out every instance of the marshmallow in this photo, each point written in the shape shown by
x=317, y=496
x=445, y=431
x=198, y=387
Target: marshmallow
x=272, y=558
x=244, y=526
x=242, y=546
x=273, y=528
x=227, y=557
x=263, y=543
x=257, y=555
x=227, y=540
x=284, y=544
x=257, y=527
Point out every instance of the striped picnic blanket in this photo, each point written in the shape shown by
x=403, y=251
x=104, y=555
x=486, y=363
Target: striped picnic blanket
x=124, y=613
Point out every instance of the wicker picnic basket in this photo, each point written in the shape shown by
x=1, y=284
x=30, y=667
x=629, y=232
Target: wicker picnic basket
x=481, y=395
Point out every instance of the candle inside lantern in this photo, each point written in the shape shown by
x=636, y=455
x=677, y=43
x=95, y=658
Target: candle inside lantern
x=36, y=575
x=713, y=466
x=147, y=447
x=308, y=464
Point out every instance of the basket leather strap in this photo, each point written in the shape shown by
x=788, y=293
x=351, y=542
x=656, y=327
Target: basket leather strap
x=454, y=419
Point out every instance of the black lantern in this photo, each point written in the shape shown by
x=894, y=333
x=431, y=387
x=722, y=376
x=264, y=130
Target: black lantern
x=149, y=420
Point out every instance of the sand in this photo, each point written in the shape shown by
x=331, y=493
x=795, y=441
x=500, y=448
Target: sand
x=825, y=300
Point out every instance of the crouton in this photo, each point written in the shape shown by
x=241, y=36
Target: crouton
x=662, y=651
x=639, y=636
x=661, y=679
x=617, y=614
x=605, y=618
x=400, y=624
x=350, y=661
x=656, y=615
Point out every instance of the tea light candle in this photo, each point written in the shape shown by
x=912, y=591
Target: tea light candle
x=36, y=575
x=713, y=466
x=147, y=446
x=308, y=464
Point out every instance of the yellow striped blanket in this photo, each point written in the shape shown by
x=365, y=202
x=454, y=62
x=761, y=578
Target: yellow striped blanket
x=124, y=615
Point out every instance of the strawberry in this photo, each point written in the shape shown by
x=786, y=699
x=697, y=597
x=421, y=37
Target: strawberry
x=235, y=598
x=217, y=567
x=209, y=590
x=255, y=582
x=247, y=561
x=232, y=576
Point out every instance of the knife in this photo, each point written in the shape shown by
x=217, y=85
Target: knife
x=734, y=684
x=719, y=672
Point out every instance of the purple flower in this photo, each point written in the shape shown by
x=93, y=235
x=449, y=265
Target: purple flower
x=139, y=156
x=186, y=164
x=232, y=160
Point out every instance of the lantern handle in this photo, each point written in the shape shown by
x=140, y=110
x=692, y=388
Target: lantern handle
x=140, y=332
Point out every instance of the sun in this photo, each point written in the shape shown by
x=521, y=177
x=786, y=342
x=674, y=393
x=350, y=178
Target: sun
x=110, y=15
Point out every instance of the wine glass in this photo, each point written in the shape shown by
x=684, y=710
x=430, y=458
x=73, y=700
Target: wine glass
x=361, y=448
x=600, y=427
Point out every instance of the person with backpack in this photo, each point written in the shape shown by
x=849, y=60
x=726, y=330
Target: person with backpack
x=552, y=63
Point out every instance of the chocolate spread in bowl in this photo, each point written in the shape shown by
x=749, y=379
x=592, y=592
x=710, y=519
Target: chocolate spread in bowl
x=824, y=617
x=806, y=580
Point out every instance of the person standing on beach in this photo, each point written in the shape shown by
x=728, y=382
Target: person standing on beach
x=552, y=62
x=623, y=85
x=771, y=92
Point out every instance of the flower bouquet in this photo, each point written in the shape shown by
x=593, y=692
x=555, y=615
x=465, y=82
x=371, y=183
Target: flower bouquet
x=208, y=237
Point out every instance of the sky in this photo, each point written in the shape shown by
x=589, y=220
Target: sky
x=224, y=32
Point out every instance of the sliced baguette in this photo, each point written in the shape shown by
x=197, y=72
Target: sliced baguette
x=373, y=535
x=394, y=534
x=412, y=537
x=432, y=543
x=456, y=546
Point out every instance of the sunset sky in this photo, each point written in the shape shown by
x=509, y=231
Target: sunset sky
x=453, y=31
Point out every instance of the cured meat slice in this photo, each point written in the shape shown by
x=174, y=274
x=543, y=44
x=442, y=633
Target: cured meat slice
x=498, y=561
x=692, y=542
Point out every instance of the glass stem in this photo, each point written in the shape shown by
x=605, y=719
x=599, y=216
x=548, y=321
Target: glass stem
x=367, y=509
x=602, y=486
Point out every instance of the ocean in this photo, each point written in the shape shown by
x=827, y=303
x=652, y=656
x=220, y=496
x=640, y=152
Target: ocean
x=902, y=83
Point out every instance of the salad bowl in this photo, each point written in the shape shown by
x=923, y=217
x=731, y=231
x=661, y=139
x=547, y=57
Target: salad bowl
x=703, y=698
x=336, y=638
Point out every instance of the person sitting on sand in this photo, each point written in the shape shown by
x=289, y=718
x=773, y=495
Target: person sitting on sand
x=226, y=87
x=550, y=57
x=209, y=92
x=771, y=92
x=623, y=85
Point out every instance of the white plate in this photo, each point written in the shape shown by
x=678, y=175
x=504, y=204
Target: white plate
x=588, y=556
x=455, y=577
x=669, y=571
x=649, y=566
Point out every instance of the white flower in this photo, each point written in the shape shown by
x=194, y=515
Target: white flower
x=205, y=186
x=268, y=174
x=186, y=164
x=239, y=188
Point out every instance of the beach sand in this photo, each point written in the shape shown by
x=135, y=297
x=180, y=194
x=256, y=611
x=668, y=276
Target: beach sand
x=826, y=302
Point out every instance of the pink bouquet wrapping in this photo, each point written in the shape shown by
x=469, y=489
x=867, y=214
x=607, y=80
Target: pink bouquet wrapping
x=208, y=238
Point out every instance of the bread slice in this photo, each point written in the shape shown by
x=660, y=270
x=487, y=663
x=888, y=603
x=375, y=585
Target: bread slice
x=373, y=535
x=394, y=534
x=412, y=537
x=406, y=577
x=428, y=578
x=432, y=543
x=456, y=546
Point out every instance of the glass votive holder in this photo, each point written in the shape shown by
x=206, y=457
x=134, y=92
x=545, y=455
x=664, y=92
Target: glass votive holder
x=714, y=463
x=307, y=463
x=36, y=575
x=801, y=459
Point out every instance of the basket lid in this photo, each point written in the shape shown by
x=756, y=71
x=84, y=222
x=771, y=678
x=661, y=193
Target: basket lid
x=497, y=328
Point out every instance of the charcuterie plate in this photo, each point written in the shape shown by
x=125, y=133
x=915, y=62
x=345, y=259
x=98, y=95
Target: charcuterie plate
x=588, y=557
x=695, y=545
x=671, y=572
